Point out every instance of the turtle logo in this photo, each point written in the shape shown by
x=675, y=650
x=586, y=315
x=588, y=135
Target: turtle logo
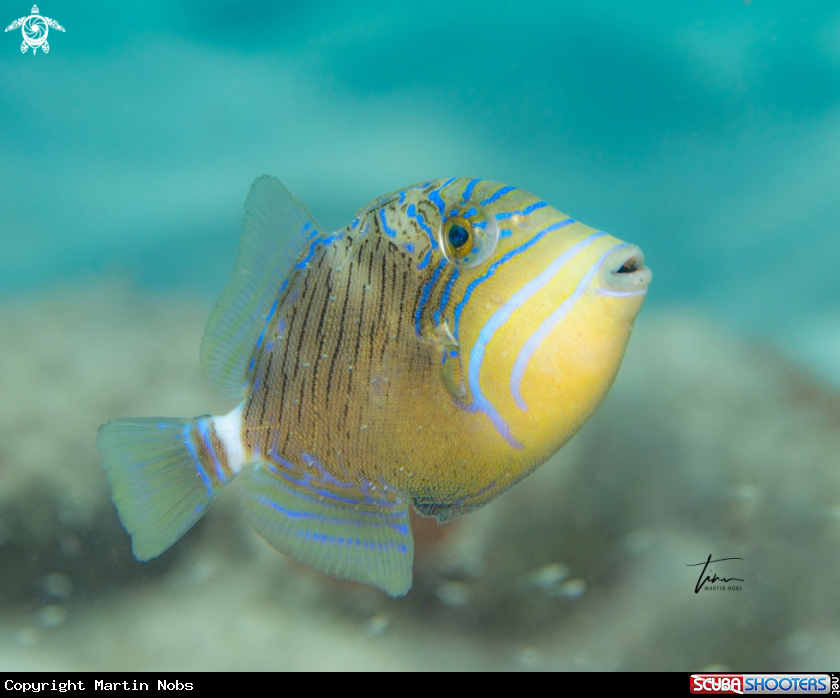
x=35, y=29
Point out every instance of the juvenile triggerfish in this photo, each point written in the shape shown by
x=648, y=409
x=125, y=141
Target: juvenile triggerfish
x=432, y=353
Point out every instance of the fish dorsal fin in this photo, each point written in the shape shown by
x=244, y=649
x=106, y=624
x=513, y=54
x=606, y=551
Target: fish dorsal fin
x=275, y=227
x=349, y=534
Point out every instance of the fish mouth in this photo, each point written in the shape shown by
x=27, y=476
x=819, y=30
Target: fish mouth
x=625, y=272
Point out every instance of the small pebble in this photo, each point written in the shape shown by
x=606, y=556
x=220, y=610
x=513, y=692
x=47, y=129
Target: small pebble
x=454, y=594
x=52, y=616
x=546, y=577
x=638, y=542
x=528, y=657
x=70, y=545
x=26, y=637
x=572, y=589
x=57, y=585
x=801, y=642
x=376, y=625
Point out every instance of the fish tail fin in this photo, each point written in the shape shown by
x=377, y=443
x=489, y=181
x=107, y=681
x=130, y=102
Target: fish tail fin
x=164, y=474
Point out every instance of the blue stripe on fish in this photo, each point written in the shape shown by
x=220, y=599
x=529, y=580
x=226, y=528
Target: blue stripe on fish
x=498, y=194
x=444, y=299
x=316, y=537
x=427, y=290
x=313, y=462
x=435, y=198
x=277, y=459
x=329, y=519
x=498, y=319
x=546, y=326
x=267, y=320
x=425, y=261
x=191, y=447
x=307, y=488
x=203, y=429
x=390, y=232
x=528, y=210
x=469, y=189
x=322, y=493
x=411, y=212
x=479, y=401
x=504, y=258
x=382, y=514
x=326, y=242
x=533, y=207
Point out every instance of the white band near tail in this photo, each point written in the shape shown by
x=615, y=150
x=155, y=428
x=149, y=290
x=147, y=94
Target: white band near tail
x=229, y=430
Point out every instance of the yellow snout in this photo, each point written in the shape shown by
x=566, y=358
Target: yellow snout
x=547, y=370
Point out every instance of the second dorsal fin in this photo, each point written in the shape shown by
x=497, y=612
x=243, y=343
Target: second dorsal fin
x=274, y=230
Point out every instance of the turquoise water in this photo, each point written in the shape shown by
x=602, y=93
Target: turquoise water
x=708, y=133
x=704, y=132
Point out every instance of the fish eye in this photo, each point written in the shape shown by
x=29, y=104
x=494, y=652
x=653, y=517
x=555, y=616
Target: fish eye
x=458, y=236
x=468, y=234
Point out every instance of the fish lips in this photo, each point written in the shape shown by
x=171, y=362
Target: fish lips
x=624, y=271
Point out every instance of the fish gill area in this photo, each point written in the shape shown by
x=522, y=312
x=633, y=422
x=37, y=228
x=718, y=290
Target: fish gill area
x=708, y=445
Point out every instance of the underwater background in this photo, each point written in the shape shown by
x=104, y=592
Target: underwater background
x=707, y=133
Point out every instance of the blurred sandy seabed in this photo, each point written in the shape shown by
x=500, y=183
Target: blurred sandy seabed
x=706, y=445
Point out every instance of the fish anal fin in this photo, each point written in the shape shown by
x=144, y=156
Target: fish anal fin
x=342, y=531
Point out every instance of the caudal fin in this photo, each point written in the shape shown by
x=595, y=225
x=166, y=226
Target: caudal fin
x=158, y=483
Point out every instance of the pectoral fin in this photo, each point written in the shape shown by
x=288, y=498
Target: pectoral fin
x=451, y=369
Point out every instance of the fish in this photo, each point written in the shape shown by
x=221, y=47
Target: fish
x=430, y=354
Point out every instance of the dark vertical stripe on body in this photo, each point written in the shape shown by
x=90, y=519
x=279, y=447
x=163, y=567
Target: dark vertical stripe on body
x=322, y=335
x=298, y=355
x=338, y=342
x=376, y=289
x=402, y=305
x=264, y=386
x=219, y=450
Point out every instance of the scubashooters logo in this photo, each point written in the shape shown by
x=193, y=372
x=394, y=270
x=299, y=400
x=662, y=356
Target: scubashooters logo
x=738, y=684
x=35, y=28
